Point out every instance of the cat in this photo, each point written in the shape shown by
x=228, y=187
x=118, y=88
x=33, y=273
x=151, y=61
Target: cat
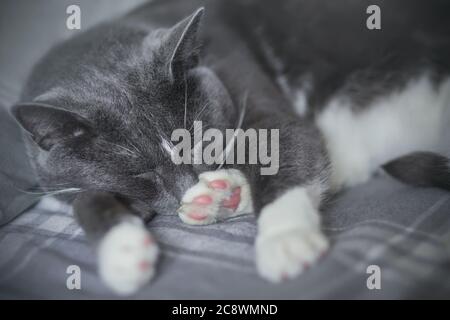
x=99, y=109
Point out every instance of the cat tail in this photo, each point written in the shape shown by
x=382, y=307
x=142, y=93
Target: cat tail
x=422, y=169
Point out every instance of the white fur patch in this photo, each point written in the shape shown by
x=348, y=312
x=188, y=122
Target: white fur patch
x=289, y=237
x=123, y=252
x=168, y=147
x=56, y=205
x=300, y=102
x=406, y=121
x=300, y=96
x=214, y=211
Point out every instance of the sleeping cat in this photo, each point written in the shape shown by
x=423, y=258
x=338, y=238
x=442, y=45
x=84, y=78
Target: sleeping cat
x=100, y=108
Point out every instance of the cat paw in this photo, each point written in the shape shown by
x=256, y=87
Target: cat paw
x=218, y=195
x=127, y=257
x=287, y=254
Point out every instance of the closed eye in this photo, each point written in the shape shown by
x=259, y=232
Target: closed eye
x=148, y=175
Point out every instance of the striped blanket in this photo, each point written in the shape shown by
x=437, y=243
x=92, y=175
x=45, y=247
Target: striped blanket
x=401, y=230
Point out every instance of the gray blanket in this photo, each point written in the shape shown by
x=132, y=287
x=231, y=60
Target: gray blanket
x=402, y=230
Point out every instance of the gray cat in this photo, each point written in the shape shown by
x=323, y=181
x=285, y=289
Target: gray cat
x=100, y=108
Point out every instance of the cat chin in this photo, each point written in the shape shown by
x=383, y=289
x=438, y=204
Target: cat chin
x=127, y=257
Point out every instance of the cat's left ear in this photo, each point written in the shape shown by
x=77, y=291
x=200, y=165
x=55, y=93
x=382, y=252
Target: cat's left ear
x=48, y=125
x=183, y=45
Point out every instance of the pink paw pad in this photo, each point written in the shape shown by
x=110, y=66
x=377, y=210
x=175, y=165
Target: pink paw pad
x=197, y=216
x=218, y=184
x=233, y=201
x=144, y=265
x=203, y=199
x=147, y=241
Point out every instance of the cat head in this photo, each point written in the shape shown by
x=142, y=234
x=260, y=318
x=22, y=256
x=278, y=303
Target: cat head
x=102, y=119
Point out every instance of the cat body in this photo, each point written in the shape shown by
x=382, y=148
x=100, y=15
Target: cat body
x=100, y=110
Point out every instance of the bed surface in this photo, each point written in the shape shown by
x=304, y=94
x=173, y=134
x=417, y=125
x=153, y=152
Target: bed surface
x=402, y=230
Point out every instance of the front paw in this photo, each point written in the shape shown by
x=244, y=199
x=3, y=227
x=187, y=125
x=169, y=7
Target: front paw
x=218, y=195
x=127, y=257
x=287, y=254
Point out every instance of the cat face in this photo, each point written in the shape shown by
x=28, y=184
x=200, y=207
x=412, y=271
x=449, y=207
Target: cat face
x=108, y=127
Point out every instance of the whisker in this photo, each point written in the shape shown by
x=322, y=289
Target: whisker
x=52, y=193
x=197, y=116
x=129, y=151
x=54, y=190
x=230, y=144
x=126, y=149
x=185, y=101
x=136, y=148
x=160, y=132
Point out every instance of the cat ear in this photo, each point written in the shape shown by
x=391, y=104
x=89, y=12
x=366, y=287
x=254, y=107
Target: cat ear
x=49, y=125
x=183, y=45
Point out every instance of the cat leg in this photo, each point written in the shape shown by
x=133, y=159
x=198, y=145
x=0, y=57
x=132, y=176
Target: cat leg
x=218, y=195
x=127, y=252
x=289, y=236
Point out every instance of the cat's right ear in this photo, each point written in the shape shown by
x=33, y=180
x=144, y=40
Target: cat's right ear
x=48, y=125
x=181, y=45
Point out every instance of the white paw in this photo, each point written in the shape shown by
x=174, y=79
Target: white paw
x=218, y=195
x=289, y=239
x=287, y=254
x=127, y=257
